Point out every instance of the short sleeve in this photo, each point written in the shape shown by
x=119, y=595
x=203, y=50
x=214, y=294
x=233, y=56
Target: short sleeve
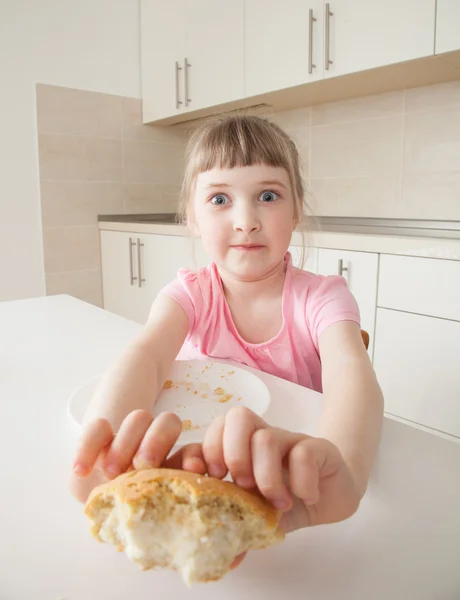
x=330, y=303
x=182, y=290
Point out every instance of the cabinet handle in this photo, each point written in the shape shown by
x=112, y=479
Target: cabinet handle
x=132, y=279
x=186, y=67
x=139, y=261
x=327, y=60
x=341, y=269
x=178, y=68
x=311, y=20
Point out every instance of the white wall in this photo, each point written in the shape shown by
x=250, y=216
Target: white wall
x=85, y=44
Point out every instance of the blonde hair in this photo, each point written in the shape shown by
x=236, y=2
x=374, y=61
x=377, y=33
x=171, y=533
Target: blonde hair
x=241, y=141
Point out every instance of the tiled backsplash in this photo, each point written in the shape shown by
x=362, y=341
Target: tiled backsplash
x=394, y=155
x=96, y=157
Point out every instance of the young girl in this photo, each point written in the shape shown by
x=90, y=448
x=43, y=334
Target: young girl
x=243, y=196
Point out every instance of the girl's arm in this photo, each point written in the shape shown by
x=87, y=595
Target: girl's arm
x=353, y=402
x=135, y=380
x=118, y=422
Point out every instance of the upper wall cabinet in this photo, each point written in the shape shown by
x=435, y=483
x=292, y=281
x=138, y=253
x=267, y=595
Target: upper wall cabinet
x=283, y=44
x=192, y=55
x=294, y=42
x=364, y=34
x=447, y=26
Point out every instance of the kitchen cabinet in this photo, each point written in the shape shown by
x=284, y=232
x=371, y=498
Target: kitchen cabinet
x=447, y=26
x=360, y=269
x=189, y=61
x=416, y=359
x=427, y=286
x=310, y=258
x=283, y=44
x=299, y=41
x=162, y=55
x=364, y=34
x=135, y=267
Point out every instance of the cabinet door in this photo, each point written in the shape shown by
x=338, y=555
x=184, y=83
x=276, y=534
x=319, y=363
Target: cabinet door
x=161, y=256
x=162, y=44
x=447, y=26
x=118, y=263
x=360, y=269
x=310, y=258
x=279, y=50
x=214, y=49
x=369, y=33
x=417, y=364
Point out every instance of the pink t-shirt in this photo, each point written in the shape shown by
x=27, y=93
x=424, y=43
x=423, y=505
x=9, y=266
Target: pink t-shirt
x=310, y=304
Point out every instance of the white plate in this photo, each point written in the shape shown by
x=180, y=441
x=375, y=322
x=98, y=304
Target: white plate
x=194, y=395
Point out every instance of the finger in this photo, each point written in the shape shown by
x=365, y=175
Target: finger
x=158, y=441
x=96, y=436
x=268, y=448
x=238, y=560
x=213, y=448
x=240, y=425
x=189, y=458
x=126, y=442
x=305, y=460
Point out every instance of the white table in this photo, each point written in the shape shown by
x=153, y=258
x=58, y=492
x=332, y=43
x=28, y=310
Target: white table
x=403, y=544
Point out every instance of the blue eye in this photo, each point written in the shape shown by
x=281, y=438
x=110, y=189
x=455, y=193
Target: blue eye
x=220, y=199
x=268, y=197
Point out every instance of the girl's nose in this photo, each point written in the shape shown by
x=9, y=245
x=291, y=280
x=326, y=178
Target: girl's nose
x=246, y=220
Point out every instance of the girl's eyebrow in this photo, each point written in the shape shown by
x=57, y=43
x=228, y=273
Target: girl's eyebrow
x=262, y=183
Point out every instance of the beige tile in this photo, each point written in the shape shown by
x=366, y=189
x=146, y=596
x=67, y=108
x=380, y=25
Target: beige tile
x=66, y=203
x=360, y=197
x=78, y=158
x=301, y=138
x=298, y=118
x=133, y=129
x=431, y=196
x=148, y=162
x=360, y=149
x=441, y=96
x=358, y=109
x=79, y=112
x=432, y=142
x=71, y=249
x=84, y=285
x=150, y=197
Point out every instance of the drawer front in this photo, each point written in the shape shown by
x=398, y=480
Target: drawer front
x=416, y=359
x=425, y=286
x=360, y=269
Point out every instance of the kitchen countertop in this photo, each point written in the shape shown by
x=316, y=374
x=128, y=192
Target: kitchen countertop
x=428, y=239
x=403, y=543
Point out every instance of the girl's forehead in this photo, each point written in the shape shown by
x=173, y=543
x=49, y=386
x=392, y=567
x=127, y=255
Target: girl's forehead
x=252, y=174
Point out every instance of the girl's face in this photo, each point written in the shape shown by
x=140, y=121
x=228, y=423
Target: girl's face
x=245, y=218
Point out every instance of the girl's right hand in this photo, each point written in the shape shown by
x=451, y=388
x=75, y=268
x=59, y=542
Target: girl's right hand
x=141, y=442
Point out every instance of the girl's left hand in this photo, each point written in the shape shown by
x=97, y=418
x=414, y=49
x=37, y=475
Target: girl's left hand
x=305, y=477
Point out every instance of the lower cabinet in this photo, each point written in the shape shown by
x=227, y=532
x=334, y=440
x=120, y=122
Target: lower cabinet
x=135, y=267
x=360, y=269
x=417, y=362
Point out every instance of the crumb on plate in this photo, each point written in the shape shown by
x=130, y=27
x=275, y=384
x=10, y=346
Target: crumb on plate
x=168, y=384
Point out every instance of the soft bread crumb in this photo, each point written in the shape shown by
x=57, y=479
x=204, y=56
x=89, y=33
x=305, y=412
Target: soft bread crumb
x=162, y=518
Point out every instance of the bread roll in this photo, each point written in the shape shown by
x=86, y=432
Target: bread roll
x=196, y=525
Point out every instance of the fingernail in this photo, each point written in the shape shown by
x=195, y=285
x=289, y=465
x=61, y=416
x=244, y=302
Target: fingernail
x=141, y=461
x=79, y=469
x=112, y=470
x=281, y=504
x=216, y=471
x=246, y=482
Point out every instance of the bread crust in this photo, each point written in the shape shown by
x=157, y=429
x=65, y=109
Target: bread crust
x=134, y=486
